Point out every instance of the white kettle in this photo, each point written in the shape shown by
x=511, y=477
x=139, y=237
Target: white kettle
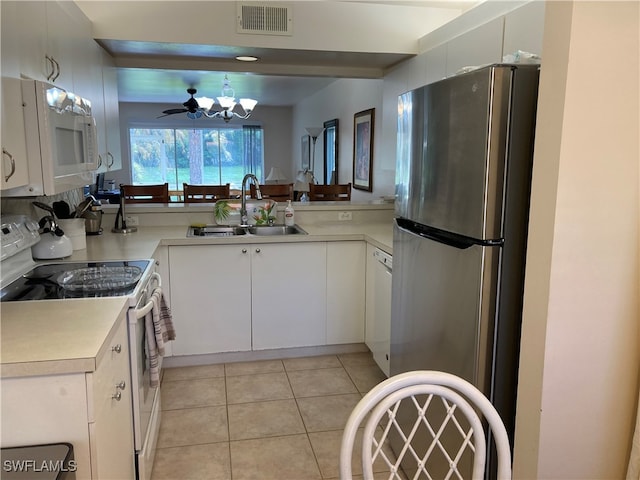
x=53, y=242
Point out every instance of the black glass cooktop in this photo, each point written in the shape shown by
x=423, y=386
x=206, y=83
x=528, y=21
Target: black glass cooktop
x=64, y=280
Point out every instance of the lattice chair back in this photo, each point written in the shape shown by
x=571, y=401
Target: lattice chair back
x=425, y=424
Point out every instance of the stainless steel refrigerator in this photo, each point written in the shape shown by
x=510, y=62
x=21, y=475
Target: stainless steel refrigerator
x=464, y=160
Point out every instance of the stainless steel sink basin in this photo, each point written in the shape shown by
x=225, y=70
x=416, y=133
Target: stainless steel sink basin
x=276, y=230
x=222, y=231
x=215, y=231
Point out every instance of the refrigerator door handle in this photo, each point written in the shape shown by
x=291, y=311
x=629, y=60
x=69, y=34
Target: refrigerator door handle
x=448, y=238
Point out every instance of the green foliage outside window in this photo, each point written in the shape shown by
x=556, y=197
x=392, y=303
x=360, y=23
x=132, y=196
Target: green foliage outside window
x=198, y=156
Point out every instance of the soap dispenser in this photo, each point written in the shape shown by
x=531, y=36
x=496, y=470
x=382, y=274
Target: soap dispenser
x=289, y=215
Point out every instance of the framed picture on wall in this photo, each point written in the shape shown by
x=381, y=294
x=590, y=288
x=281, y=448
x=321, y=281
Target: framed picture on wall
x=363, y=149
x=306, y=151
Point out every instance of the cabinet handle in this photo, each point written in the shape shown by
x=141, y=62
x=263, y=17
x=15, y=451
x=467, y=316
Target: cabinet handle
x=244, y=250
x=99, y=160
x=117, y=348
x=121, y=385
x=257, y=250
x=13, y=165
x=53, y=68
x=110, y=163
x=117, y=396
x=57, y=65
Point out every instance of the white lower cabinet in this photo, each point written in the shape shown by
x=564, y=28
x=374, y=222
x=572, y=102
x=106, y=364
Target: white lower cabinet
x=288, y=294
x=260, y=296
x=79, y=408
x=345, y=292
x=210, y=298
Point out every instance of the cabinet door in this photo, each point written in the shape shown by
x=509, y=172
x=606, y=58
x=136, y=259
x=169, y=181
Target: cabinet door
x=32, y=26
x=111, y=432
x=14, y=171
x=111, y=113
x=480, y=46
x=345, y=292
x=289, y=295
x=210, y=298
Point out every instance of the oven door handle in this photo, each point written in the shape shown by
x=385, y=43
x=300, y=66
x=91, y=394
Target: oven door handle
x=141, y=312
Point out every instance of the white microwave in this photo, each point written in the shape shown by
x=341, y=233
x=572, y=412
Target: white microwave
x=61, y=140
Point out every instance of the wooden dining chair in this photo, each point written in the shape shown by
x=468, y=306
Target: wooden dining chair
x=205, y=193
x=145, y=193
x=280, y=192
x=332, y=193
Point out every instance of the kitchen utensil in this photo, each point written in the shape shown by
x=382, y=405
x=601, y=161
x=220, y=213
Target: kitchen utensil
x=84, y=205
x=45, y=207
x=62, y=209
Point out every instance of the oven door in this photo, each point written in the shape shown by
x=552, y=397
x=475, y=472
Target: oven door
x=144, y=395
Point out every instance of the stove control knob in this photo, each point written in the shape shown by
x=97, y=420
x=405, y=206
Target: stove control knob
x=117, y=397
x=117, y=348
x=121, y=385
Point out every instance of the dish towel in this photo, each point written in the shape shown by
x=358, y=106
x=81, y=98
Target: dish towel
x=159, y=330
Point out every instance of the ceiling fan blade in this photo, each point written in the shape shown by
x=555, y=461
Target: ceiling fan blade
x=173, y=111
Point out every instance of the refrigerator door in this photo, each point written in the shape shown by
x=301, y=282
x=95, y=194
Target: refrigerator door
x=452, y=138
x=446, y=298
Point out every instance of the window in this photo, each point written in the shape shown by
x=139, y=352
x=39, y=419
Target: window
x=211, y=156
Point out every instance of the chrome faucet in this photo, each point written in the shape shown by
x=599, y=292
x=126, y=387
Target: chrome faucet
x=243, y=198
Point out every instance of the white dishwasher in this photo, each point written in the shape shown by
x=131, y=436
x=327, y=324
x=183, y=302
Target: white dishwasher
x=378, y=334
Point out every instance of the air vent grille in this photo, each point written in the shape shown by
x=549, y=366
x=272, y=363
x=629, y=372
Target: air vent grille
x=264, y=19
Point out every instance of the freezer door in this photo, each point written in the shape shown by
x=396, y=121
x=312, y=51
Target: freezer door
x=443, y=307
x=452, y=141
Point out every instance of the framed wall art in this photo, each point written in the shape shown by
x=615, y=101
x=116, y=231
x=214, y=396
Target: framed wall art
x=363, y=149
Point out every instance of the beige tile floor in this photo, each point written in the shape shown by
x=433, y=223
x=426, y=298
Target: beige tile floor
x=265, y=420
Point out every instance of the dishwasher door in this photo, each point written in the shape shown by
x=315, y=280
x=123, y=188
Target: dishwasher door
x=379, y=337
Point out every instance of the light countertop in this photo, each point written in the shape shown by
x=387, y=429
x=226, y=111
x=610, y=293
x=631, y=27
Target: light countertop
x=48, y=337
x=143, y=243
x=65, y=336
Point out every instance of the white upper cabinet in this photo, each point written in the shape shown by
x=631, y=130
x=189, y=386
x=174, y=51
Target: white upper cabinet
x=524, y=28
x=112, y=156
x=480, y=46
x=54, y=41
x=13, y=167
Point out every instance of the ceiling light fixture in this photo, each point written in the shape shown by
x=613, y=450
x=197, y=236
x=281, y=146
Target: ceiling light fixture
x=227, y=102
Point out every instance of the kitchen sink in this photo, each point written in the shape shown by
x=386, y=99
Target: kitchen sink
x=276, y=230
x=222, y=231
x=215, y=231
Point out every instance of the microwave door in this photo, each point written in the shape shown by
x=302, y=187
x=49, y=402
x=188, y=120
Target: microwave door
x=71, y=145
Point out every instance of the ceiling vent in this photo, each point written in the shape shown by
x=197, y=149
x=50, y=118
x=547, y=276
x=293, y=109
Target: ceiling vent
x=264, y=19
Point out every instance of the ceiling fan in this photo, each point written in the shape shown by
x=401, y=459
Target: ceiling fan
x=197, y=107
x=191, y=107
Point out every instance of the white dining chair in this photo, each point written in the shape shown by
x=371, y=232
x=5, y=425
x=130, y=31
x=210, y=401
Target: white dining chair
x=426, y=420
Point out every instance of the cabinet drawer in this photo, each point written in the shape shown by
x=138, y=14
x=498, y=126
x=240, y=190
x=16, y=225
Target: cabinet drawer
x=112, y=370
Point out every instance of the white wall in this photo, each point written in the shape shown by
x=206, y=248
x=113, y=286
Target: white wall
x=342, y=99
x=579, y=360
x=276, y=122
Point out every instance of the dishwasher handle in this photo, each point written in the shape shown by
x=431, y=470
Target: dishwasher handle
x=384, y=258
